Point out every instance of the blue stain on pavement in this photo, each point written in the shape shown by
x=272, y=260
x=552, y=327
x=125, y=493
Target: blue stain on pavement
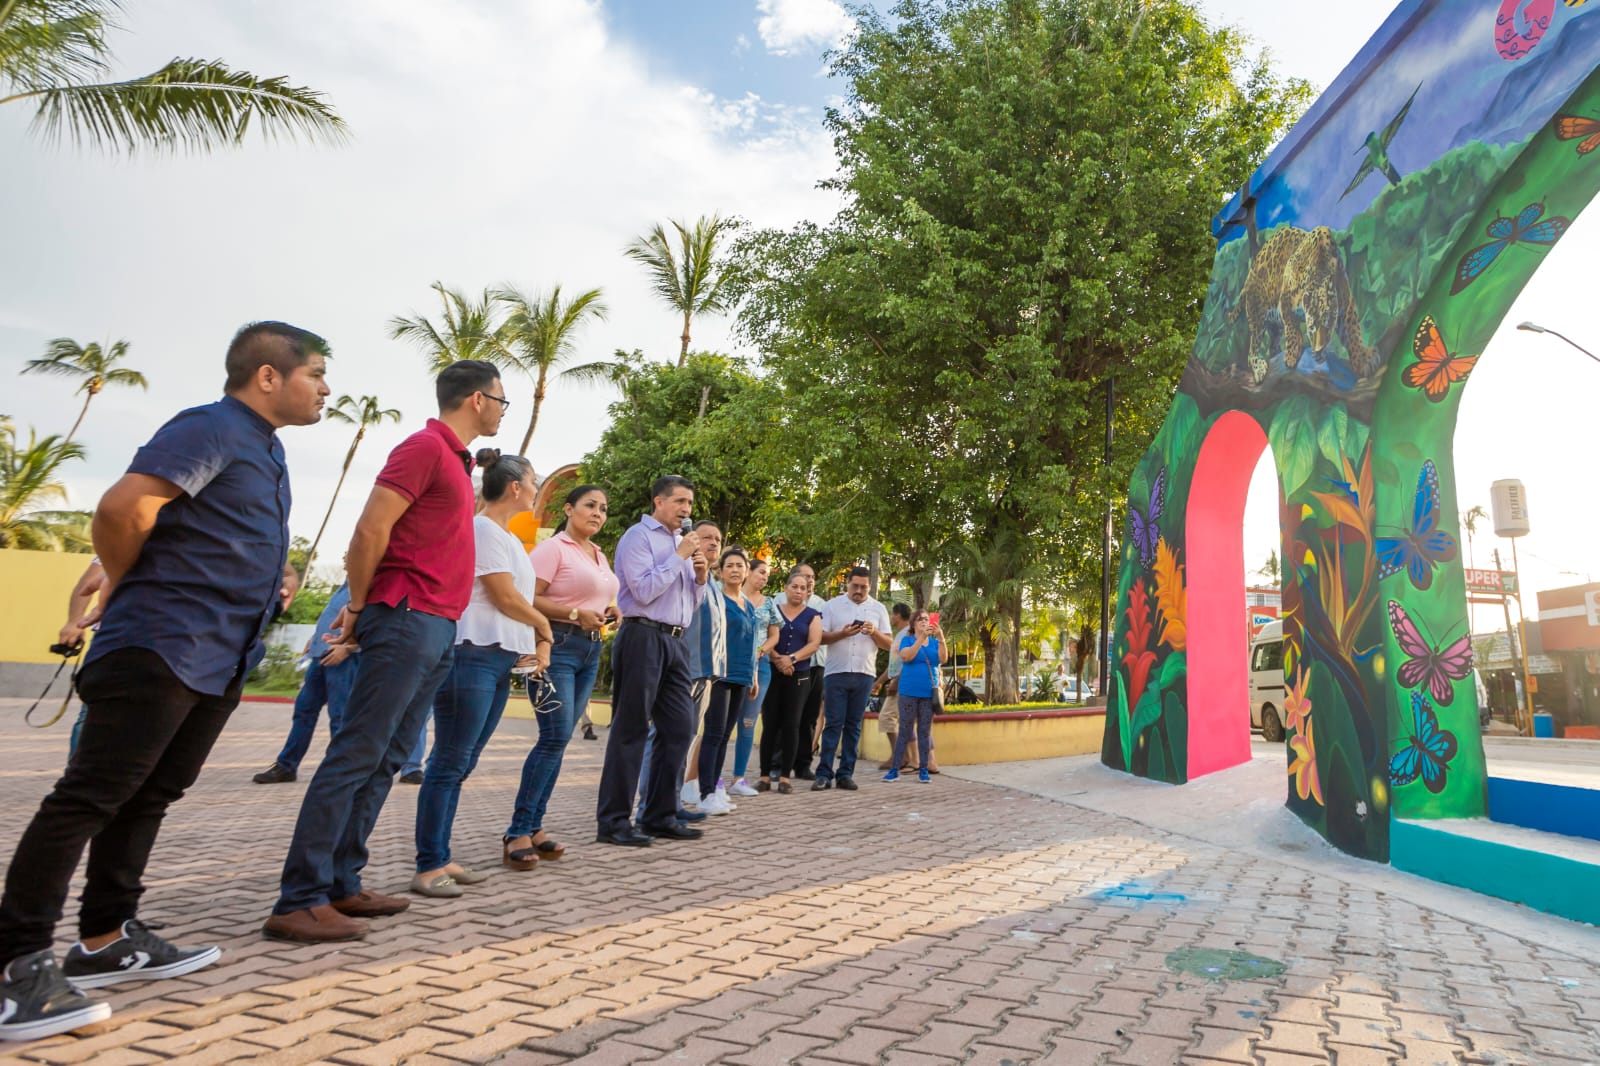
x=1138, y=893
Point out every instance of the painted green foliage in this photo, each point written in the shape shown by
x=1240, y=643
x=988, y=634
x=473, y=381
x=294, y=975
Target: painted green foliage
x=1380, y=708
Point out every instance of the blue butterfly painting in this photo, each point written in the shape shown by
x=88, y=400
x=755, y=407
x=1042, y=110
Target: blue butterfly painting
x=1146, y=533
x=1424, y=545
x=1428, y=754
x=1526, y=228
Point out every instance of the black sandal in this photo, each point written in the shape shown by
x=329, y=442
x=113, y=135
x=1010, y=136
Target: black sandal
x=521, y=858
x=549, y=850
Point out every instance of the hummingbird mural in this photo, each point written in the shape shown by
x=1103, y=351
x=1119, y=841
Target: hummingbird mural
x=1377, y=150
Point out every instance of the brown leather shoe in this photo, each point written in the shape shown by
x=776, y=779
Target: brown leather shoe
x=365, y=904
x=314, y=925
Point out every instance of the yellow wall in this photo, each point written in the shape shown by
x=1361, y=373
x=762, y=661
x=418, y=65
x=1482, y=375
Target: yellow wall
x=34, y=587
x=970, y=743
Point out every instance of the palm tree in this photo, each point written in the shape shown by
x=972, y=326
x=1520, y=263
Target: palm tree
x=54, y=56
x=352, y=412
x=27, y=481
x=1272, y=569
x=469, y=330
x=94, y=366
x=539, y=329
x=621, y=372
x=1471, y=519
x=690, y=280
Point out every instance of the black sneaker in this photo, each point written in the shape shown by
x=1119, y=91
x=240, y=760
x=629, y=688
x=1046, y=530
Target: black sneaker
x=137, y=955
x=821, y=784
x=848, y=784
x=413, y=778
x=274, y=775
x=36, y=1000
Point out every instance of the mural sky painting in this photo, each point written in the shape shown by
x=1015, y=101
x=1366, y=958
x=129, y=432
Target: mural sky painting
x=1357, y=281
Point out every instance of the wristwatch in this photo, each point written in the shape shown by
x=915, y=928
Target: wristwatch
x=572, y=615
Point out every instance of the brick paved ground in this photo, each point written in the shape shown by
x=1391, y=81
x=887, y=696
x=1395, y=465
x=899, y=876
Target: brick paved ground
x=906, y=924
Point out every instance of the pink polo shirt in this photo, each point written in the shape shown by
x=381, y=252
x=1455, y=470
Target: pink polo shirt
x=579, y=575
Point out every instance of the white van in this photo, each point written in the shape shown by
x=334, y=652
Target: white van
x=1266, y=681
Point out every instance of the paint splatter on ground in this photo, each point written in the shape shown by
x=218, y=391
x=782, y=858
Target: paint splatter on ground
x=1137, y=893
x=1214, y=964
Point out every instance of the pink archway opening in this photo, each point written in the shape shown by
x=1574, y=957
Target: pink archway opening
x=1219, y=696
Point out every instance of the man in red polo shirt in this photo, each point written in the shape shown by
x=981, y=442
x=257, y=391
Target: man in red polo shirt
x=410, y=568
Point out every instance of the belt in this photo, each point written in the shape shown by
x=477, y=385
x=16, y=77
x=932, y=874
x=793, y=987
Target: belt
x=674, y=631
x=575, y=629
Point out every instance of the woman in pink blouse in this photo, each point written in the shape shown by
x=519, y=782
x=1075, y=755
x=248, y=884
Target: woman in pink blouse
x=575, y=590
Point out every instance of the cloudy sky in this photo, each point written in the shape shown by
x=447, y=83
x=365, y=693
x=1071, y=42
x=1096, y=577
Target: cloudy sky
x=529, y=142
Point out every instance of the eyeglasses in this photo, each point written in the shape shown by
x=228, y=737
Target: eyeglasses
x=505, y=404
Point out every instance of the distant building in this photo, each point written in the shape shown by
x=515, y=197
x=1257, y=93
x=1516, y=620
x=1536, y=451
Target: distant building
x=1262, y=604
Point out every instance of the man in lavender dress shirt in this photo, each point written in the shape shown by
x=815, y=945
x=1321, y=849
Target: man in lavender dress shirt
x=662, y=575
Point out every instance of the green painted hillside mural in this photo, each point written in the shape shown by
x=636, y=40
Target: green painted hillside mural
x=1357, y=281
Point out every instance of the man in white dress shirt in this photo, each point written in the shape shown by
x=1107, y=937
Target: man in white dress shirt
x=855, y=627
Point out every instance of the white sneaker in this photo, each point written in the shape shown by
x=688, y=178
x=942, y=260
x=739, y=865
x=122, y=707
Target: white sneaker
x=722, y=795
x=689, y=796
x=714, y=804
x=741, y=788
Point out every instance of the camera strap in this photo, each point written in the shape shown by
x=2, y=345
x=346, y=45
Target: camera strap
x=72, y=685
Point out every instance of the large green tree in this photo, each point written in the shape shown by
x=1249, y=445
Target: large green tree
x=706, y=420
x=92, y=366
x=54, y=57
x=1027, y=190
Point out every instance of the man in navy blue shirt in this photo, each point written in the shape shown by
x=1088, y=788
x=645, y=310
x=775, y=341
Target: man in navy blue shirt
x=194, y=539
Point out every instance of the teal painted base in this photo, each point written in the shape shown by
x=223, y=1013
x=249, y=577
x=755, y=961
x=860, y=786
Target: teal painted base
x=1552, y=883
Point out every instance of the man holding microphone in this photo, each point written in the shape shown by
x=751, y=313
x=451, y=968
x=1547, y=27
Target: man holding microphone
x=662, y=576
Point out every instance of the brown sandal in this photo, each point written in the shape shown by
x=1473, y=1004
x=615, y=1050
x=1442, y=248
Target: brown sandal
x=785, y=787
x=763, y=785
x=521, y=858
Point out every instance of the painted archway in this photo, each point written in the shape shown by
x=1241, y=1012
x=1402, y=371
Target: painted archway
x=1357, y=278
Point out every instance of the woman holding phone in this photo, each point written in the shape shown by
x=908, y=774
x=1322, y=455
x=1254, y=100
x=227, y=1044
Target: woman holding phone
x=499, y=630
x=575, y=590
x=922, y=652
x=792, y=639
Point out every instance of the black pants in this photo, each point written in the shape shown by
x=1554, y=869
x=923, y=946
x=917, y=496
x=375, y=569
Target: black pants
x=780, y=721
x=143, y=744
x=722, y=719
x=649, y=684
x=805, y=746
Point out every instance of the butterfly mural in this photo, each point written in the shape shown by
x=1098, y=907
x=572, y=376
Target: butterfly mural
x=1574, y=127
x=1426, y=666
x=1427, y=755
x=1424, y=545
x=1435, y=369
x=1146, y=533
x=1525, y=228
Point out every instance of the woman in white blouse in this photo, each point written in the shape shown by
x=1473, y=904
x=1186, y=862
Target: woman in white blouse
x=499, y=629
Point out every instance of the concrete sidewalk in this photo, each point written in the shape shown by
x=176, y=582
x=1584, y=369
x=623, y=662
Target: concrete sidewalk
x=1031, y=913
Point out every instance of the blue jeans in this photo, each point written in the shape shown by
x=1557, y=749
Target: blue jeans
x=323, y=685
x=748, y=719
x=405, y=656
x=419, y=750
x=574, y=664
x=844, y=705
x=466, y=710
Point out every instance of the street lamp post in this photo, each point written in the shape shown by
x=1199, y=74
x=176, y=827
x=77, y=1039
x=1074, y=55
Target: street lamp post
x=1534, y=327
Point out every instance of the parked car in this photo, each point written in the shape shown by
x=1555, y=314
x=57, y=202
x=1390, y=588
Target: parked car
x=1266, y=681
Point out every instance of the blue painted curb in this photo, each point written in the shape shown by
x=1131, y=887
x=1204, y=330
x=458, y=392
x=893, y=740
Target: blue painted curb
x=1564, y=809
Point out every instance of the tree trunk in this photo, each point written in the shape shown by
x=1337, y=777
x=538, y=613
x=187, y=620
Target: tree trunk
x=1000, y=664
x=85, y=410
x=538, y=402
x=875, y=566
x=348, y=459
x=683, y=353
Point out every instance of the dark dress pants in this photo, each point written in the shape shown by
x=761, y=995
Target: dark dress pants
x=649, y=683
x=806, y=746
x=145, y=738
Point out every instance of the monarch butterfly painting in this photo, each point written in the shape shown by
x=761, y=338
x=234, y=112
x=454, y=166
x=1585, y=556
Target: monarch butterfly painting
x=1435, y=369
x=1573, y=127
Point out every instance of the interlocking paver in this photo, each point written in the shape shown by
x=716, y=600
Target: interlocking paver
x=878, y=947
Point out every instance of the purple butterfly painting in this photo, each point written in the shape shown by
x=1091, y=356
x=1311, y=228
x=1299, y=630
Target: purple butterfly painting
x=1146, y=531
x=1427, y=666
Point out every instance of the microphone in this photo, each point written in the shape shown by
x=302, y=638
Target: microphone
x=686, y=528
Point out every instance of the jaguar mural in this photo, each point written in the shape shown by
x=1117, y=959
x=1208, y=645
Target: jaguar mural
x=1345, y=314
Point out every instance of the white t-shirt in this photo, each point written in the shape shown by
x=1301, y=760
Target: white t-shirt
x=497, y=552
x=857, y=654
